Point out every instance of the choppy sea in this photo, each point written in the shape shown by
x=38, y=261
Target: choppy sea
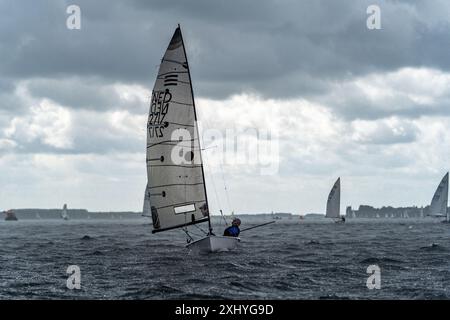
x=291, y=259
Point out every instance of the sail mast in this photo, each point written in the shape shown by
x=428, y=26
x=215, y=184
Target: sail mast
x=196, y=128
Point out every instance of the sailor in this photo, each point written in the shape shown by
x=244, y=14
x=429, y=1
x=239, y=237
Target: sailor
x=233, y=230
x=342, y=218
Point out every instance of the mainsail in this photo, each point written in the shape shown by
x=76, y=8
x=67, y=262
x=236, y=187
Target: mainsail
x=439, y=202
x=64, y=214
x=334, y=200
x=176, y=184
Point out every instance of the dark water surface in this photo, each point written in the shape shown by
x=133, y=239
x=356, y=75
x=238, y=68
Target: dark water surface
x=121, y=259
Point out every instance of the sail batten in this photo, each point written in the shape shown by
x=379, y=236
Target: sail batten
x=176, y=185
x=439, y=202
x=334, y=200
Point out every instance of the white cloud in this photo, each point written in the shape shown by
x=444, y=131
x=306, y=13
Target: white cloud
x=46, y=122
x=410, y=92
x=7, y=144
x=384, y=131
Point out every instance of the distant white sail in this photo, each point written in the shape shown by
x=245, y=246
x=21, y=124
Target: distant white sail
x=64, y=214
x=146, y=210
x=439, y=202
x=334, y=201
x=176, y=186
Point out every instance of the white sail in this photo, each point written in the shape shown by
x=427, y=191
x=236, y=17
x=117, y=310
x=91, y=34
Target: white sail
x=334, y=200
x=439, y=202
x=146, y=210
x=64, y=214
x=176, y=185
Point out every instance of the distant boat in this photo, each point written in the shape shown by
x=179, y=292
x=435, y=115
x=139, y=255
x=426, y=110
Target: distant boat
x=176, y=181
x=10, y=215
x=439, y=203
x=64, y=214
x=146, y=208
x=334, y=202
x=275, y=217
x=38, y=216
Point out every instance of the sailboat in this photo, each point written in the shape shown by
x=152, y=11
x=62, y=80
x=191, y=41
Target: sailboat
x=146, y=209
x=176, y=182
x=10, y=215
x=438, y=206
x=334, y=202
x=64, y=214
x=275, y=217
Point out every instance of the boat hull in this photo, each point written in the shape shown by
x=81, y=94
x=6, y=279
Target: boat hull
x=214, y=244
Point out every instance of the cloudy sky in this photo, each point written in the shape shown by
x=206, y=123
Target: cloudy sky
x=370, y=106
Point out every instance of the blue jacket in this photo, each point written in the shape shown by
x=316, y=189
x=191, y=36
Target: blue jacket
x=232, y=231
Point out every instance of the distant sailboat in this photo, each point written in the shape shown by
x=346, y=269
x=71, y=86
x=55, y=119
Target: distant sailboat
x=176, y=182
x=438, y=206
x=10, y=215
x=64, y=214
x=334, y=202
x=275, y=217
x=146, y=212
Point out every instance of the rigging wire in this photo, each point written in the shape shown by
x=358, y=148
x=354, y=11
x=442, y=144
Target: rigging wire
x=206, y=233
x=216, y=194
x=225, y=188
x=208, y=126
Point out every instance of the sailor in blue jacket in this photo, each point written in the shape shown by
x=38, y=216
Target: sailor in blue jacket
x=233, y=230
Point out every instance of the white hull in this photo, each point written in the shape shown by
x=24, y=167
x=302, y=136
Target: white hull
x=214, y=244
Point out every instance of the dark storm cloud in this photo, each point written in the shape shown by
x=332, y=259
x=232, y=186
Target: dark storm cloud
x=75, y=93
x=275, y=48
